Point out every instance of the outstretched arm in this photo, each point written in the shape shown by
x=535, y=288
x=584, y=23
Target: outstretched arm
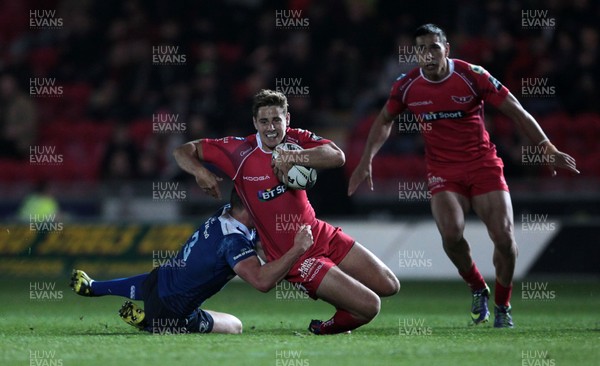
x=189, y=158
x=515, y=111
x=379, y=133
x=265, y=277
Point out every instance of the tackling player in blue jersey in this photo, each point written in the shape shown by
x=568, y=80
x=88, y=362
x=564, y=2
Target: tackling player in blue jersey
x=223, y=246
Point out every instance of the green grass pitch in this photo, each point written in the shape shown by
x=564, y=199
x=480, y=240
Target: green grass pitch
x=425, y=324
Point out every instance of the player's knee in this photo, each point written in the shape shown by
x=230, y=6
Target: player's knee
x=395, y=286
x=227, y=324
x=503, y=238
x=370, y=309
x=507, y=247
x=392, y=286
x=237, y=327
x=451, y=235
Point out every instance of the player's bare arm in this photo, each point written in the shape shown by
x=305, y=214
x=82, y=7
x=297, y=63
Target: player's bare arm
x=327, y=156
x=378, y=134
x=265, y=277
x=514, y=110
x=189, y=158
x=260, y=252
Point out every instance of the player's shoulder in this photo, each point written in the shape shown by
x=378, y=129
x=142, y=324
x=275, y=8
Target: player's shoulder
x=476, y=74
x=237, y=148
x=234, y=140
x=230, y=233
x=234, y=239
x=211, y=223
x=295, y=132
x=464, y=67
x=404, y=80
x=232, y=227
x=299, y=135
x=235, y=246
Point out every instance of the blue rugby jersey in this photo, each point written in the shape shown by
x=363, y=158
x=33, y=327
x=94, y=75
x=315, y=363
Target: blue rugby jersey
x=205, y=262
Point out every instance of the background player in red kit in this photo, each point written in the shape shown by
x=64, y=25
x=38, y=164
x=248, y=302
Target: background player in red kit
x=336, y=268
x=463, y=168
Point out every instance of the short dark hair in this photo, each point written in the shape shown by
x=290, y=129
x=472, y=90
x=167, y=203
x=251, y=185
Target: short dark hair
x=430, y=28
x=235, y=200
x=267, y=97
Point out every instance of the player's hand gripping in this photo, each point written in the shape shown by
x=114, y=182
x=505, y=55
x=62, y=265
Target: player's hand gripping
x=304, y=238
x=361, y=172
x=282, y=164
x=209, y=183
x=558, y=159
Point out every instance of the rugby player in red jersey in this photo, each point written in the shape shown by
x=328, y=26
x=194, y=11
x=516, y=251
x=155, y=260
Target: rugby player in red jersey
x=463, y=170
x=335, y=269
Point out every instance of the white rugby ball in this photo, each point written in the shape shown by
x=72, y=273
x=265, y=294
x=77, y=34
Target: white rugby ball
x=299, y=176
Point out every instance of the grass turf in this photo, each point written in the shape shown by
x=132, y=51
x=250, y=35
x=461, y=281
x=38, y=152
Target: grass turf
x=425, y=324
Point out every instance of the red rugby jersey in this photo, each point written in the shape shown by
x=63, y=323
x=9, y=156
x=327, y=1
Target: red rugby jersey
x=278, y=212
x=450, y=111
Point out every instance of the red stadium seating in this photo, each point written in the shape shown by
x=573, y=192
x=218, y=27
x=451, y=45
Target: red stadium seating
x=139, y=131
x=42, y=60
